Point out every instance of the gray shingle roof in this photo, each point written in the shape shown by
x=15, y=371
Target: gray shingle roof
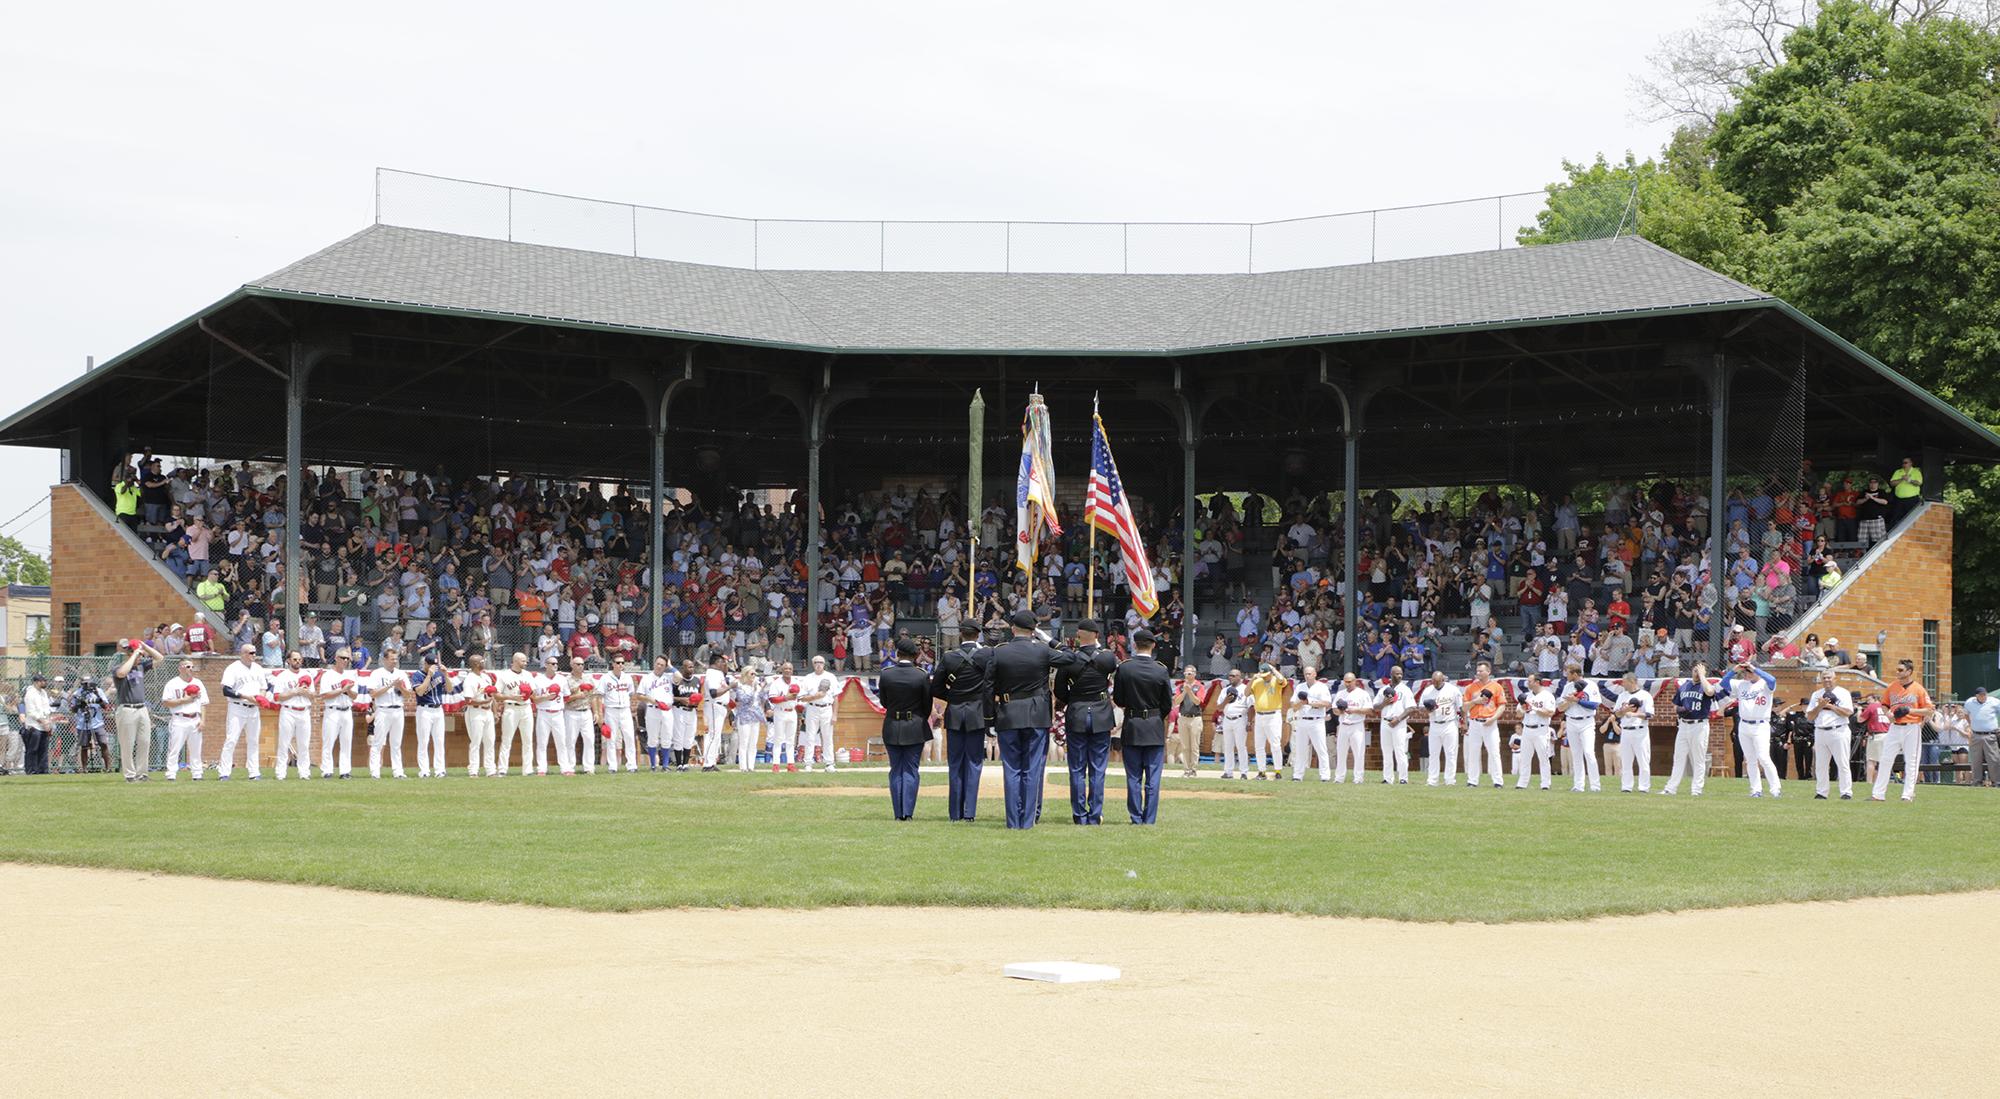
x=960, y=312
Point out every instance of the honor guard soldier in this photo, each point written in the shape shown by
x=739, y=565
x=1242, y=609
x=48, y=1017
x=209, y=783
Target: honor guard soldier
x=964, y=679
x=1021, y=713
x=1145, y=691
x=1084, y=690
x=905, y=694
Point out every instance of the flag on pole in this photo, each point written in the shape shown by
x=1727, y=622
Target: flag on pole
x=1107, y=508
x=1035, y=487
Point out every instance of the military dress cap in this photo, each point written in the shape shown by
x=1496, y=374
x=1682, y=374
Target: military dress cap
x=1088, y=625
x=970, y=629
x=905, y=647
x=1142, y=636
x=1022, y=620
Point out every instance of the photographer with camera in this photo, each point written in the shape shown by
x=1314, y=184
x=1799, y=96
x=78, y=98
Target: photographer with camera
x=87, y=707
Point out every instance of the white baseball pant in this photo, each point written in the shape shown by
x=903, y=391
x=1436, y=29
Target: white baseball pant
x=683, y=728
x=1396, y=752
x=818, y=733
x=1755, y=739
x=430, y=737
x=1350, y=743
x=1906, y=740
x=785, y=734
x=549, y=731
x=1270, y=740
x=1537, y=748
x=183, y=732
x=1690, y=755
x=659, y=727
x=479, y=741
x=294, y=735
x=336, y=730
x=516, y=718
x=748, y=741
x=1834, y=746
x=1236, y=746
x=713, y=716
x=1482, y=746
x=623, y=740
x=1309, y=740
x=1584, y=770
x=1635, y=757
x=580, y=739
x=386, y=730
x=1443, y=746
x=240, y=722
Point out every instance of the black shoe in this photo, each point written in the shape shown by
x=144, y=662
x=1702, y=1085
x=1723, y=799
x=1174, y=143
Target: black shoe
x=1847, y=797
x=1819, y=797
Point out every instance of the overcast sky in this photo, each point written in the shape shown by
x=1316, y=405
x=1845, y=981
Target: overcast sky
x=160, y=155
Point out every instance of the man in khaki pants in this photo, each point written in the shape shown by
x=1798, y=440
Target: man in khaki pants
x=1186, y=740
x=135, y=722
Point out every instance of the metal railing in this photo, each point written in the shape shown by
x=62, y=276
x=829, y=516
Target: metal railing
x=521, y=215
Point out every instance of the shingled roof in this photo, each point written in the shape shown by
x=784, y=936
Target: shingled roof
x=945, y=312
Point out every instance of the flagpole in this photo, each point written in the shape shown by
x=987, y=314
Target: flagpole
x=1090, y=583
x=975, y=488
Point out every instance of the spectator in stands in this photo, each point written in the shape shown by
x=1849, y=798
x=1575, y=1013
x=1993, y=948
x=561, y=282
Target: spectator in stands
x=1873, y=510
x=1906, y=487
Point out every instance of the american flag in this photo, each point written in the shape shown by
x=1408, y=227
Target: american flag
x=1107, y=509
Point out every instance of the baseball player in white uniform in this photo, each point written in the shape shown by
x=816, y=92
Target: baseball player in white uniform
x=184, y=697
x=818, y=692
x=656, y=701
x=550, y=689
x=476, y=689
x=1352, y=703
x=292, y=688
x=615, y=690
x=1312, y=701
x=515, y=687
x=784, y=693
x=1444, y=702
x=1829, y=708
x=1395, y=702
x=1234, y=725
x=1483, y=700
x=1538, y=733
x=245, y=688
x=1632, y=708
x=716, y=687
x=582, y=714
x=1749, y=689
x=340, y=688
x=386, y=687
x=1579, y=701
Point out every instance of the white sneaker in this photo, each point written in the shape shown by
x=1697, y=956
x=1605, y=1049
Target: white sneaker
x=829, y=768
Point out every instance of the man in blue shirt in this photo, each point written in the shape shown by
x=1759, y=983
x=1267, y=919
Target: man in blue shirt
x=1982, y=712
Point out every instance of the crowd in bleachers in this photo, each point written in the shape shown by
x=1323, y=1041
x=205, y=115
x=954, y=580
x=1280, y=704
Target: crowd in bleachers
x=425, y=562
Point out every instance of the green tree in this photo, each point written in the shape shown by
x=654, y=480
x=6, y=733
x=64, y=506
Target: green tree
x=1675, y=202
x=20, y=566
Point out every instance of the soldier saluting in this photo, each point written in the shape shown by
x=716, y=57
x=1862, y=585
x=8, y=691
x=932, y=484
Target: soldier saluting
x=1145, y=691
x=964, y=679
x=1084, y=689
x=1020, y=668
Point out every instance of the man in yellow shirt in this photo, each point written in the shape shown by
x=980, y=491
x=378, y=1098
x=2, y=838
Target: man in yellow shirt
x=125, y=498
x=1267, y=695
x=1906, y=487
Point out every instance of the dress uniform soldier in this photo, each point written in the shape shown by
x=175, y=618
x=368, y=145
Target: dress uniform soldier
x=1021, y=714
x=964, y=679
x=1145, y=691
x=905, y=693
x=1084, y=690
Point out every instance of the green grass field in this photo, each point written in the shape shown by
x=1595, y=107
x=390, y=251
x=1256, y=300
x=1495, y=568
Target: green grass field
x=621, y=842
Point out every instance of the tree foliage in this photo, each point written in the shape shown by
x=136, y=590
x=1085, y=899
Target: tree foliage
x=1854, y=170
x=21, y=566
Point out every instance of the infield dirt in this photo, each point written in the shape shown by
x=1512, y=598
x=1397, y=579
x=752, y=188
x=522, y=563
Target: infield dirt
x=122, y=983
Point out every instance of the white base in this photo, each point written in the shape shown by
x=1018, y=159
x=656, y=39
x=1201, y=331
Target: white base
x=1062, y=973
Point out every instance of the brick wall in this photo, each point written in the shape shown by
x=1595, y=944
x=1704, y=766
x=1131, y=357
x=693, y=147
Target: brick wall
x=1910, y=582
x=121, y=592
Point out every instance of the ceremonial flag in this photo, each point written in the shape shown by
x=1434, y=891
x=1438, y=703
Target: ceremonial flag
x=1035, y=487
x=1107, y=509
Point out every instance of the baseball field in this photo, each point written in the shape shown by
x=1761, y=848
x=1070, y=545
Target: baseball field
x=731, y=935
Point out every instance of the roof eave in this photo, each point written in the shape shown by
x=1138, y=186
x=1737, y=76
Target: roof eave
x=1978, y=430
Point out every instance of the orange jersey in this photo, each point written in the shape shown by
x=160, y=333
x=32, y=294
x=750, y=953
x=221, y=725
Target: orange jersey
x=1483, y=702
x=1914, y=696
